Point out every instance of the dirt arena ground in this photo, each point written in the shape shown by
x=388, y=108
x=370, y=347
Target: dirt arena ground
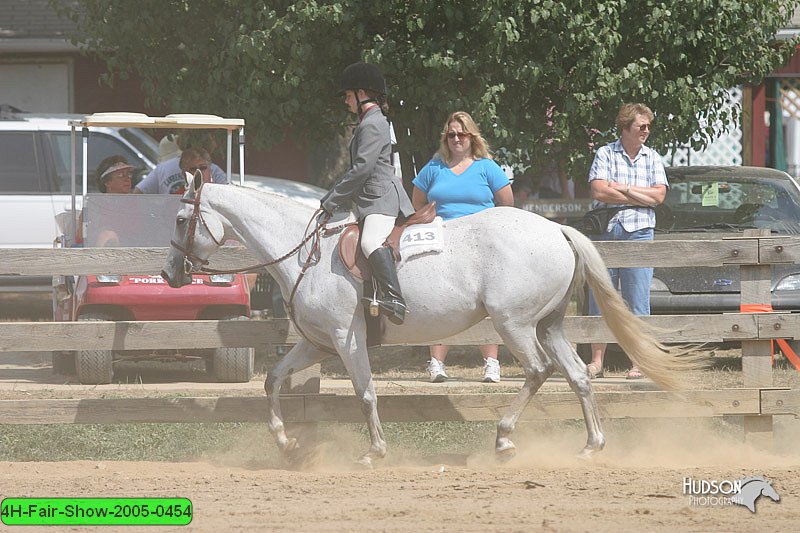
x=636, y=484
x=544, y=489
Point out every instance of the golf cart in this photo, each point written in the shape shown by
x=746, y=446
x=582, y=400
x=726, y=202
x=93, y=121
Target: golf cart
x=144, y=220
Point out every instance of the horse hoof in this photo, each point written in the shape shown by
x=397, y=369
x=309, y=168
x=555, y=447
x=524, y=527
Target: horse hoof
x=587, y=454
x=290, y=446
x=505, y=452
x=364, y=462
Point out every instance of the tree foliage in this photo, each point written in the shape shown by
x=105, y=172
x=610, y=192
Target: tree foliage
x=536, y=74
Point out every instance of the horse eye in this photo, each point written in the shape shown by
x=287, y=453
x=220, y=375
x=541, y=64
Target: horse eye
x=180, y=221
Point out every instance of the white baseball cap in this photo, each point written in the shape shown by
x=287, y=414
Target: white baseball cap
x=168, y=148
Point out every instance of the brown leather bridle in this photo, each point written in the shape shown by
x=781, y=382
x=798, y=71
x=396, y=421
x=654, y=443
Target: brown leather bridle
x=197, y=215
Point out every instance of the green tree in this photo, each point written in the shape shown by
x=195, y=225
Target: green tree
x=536, y=74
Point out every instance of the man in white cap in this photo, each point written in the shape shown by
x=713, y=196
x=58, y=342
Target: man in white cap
x=168, y=148
x=167, y=177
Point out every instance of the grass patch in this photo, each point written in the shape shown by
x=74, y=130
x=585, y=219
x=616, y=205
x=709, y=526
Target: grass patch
x=251, y=446
x=190, y=442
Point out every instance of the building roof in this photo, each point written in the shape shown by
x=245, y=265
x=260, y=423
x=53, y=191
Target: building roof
x=33, y=26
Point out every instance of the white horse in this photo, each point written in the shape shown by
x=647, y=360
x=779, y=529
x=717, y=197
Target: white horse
x=511, y=265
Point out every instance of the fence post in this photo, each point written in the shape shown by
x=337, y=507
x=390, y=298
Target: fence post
x=757, y=355
x=305, y=381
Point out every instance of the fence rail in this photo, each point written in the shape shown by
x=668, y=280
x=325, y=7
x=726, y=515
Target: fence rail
x=754, y=252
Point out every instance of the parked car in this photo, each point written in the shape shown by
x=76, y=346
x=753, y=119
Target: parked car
x=707, y=202
x=305, y=193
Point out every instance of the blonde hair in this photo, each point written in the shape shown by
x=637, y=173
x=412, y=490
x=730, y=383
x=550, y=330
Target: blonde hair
x=628, y=113
x=479, y=146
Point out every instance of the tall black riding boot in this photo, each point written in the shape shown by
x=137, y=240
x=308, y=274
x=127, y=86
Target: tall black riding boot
x=384, y=273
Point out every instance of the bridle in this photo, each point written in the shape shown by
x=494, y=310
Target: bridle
x=197, y=215
x=189, y=258
x=320, y=218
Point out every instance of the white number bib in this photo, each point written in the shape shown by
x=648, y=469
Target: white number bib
x=422, y=238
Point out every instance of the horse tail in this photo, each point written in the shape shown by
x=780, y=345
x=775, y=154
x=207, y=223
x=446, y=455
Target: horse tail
x=662, y=364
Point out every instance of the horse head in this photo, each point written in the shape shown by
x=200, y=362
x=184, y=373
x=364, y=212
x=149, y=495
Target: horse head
x=195, y=236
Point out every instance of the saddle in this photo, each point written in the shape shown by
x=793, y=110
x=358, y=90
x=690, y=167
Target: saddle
x=350, y=247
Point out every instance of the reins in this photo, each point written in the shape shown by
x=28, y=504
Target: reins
x=320, y=230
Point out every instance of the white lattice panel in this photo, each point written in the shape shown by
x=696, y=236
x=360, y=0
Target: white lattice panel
x=790, y=98
x=790, y=103
x=726, y=148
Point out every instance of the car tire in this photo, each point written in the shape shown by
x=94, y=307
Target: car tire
x=63, y=362
x=233, y=365
x=94, y=367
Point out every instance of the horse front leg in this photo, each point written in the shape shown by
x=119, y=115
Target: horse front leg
x=353, y=352
x=520, y=338
x=301, y=356
x=504, y=448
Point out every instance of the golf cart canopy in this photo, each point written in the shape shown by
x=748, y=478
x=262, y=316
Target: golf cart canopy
x=140, y=120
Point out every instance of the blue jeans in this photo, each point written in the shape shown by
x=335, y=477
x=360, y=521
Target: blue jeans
x=633, y=283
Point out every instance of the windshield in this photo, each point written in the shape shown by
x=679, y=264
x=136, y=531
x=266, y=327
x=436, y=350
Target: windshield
x=730, y=203
x=114, y=220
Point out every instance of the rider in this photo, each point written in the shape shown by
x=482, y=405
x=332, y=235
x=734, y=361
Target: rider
x=370, y=185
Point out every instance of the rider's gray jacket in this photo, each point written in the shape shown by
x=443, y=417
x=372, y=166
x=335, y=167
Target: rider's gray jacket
x=370, y=186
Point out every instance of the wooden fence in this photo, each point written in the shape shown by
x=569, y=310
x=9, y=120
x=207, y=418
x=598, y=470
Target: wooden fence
x=757, y=402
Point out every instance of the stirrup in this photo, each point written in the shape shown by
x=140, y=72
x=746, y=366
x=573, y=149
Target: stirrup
x=395, y=315
x=374, y=303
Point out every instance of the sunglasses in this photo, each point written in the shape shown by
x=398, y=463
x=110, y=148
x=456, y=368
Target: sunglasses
x=201, y=168
x=454, y=134
x=645, y=127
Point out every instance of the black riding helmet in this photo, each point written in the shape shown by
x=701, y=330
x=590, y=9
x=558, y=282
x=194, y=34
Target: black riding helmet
x=362, y=76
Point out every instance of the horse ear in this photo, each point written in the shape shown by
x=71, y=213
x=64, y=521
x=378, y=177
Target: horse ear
x=193, y=182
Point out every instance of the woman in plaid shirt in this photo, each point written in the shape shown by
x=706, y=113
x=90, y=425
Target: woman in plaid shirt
x=628, y=173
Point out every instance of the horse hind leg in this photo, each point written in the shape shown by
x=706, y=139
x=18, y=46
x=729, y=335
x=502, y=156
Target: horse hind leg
x=301, y=356
x=551, y=336
x=520, y=339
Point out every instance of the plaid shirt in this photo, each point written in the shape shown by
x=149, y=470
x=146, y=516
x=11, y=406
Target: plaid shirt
x=646, y=170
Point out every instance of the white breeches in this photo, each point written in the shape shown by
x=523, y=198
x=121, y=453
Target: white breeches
x=376, y=228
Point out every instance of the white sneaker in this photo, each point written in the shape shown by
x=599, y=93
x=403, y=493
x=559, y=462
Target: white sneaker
x=491, y=370
x=437, y=371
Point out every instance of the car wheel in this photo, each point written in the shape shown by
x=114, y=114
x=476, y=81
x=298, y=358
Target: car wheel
x=63, y=362
x=94, y=367
x=233, y=365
